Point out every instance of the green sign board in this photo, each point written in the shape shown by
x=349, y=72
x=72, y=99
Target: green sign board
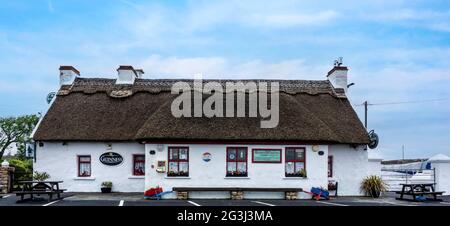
x=266, y=155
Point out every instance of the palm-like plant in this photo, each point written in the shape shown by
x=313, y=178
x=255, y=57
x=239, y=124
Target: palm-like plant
x=373, y=186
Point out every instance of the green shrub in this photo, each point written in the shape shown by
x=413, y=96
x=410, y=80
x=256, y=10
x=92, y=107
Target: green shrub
x=107, y=184
x=40, y=176
x=23, y=170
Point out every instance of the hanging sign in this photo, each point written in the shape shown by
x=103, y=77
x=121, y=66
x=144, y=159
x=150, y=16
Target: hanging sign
x=373, y=140
x=206, y=157
x=111, y=158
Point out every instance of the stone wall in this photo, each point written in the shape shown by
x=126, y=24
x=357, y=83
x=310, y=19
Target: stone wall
x=5, y=179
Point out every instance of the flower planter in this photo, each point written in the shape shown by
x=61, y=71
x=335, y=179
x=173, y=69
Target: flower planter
x=106, y=190
x=375, y=193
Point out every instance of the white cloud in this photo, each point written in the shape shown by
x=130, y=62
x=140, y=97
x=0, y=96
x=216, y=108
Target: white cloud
x=427, y=19
x=291, y=20
x=219, y=67
x=50, y=6
x=156, y=19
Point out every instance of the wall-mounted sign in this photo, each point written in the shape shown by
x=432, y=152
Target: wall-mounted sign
x=206, y=156
x=111, y=158
x=266, y=155
x=161, y=167
x=373, y=140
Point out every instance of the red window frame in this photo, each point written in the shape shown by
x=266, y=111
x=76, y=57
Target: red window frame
x=236, y=161
x=135, y=160
x=79, y=164
x=272, y=149
x=177, y=160
x=295, y=160
x=330, y=166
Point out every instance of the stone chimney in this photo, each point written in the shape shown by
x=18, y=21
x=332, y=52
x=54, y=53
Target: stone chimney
x=126, y=74
x=139, y=73
x=338, y=75
x=67, y=75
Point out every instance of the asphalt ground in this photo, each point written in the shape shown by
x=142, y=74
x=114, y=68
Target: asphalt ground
x=133, y=199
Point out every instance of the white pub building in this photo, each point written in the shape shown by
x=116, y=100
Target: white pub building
x=122, y=130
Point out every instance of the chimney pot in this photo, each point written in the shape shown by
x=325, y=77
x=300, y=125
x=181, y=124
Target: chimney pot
x=126, y=74
x=338, y=77
x=67, y=75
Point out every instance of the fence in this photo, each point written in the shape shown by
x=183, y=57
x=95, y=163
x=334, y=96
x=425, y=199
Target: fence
x=395, y=177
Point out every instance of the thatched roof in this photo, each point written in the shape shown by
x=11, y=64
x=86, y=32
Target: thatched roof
x=99, y=110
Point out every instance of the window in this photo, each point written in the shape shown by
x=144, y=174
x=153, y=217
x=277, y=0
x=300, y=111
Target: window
x=178, y=161
x=138, y=165
x=330, y=166
x=236, y=162
x=295, y=162
x=84, y=166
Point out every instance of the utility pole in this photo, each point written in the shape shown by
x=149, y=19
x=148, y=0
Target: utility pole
x=403, y=153
x=365, y=114
x=403, y=163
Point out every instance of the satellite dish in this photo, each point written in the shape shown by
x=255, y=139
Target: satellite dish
x=50, y=97
x=373, y=140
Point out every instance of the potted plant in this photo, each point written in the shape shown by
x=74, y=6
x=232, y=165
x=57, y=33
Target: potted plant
x=180, y=173
x=106, y=187
x=332, y=186
x=373, y=186
x=302, y=173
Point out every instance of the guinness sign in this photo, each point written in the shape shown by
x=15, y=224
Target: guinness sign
x=111, y=159
x=373, y=140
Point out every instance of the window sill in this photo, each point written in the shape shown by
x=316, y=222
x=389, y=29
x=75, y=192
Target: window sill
x=180, y=177
x=246, y=178
x=136, y=177
x=84, y=178
x=295, y=178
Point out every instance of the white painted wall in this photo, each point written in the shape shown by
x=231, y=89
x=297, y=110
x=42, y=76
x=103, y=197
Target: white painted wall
x=60, y=161
x=374, y=167
x=442, y=175
x=349, y=168
x=212, y=173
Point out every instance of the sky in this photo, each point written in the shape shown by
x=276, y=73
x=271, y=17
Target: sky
x=396, y=51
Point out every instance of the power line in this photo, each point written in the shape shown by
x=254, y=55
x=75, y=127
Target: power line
x=405, y=102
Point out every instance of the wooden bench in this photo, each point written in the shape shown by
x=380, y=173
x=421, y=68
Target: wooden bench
x=235, y=192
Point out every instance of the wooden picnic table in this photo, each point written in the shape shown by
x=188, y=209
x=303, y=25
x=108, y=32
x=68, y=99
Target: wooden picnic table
x=419, y=189
x=40, y=187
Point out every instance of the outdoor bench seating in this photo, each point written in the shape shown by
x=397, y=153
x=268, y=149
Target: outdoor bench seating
x=417, y=190
x=235, y=192
x=40, y=192
x=32, y=188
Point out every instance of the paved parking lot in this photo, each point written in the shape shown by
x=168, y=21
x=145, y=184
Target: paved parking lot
x=132, y=199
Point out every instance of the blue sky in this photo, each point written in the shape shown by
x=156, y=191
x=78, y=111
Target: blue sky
x=396, y=51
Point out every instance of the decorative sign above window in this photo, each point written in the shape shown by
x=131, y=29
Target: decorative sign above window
x=266, y=156
x=111, y=158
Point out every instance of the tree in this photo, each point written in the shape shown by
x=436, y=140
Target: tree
x=16, y=130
